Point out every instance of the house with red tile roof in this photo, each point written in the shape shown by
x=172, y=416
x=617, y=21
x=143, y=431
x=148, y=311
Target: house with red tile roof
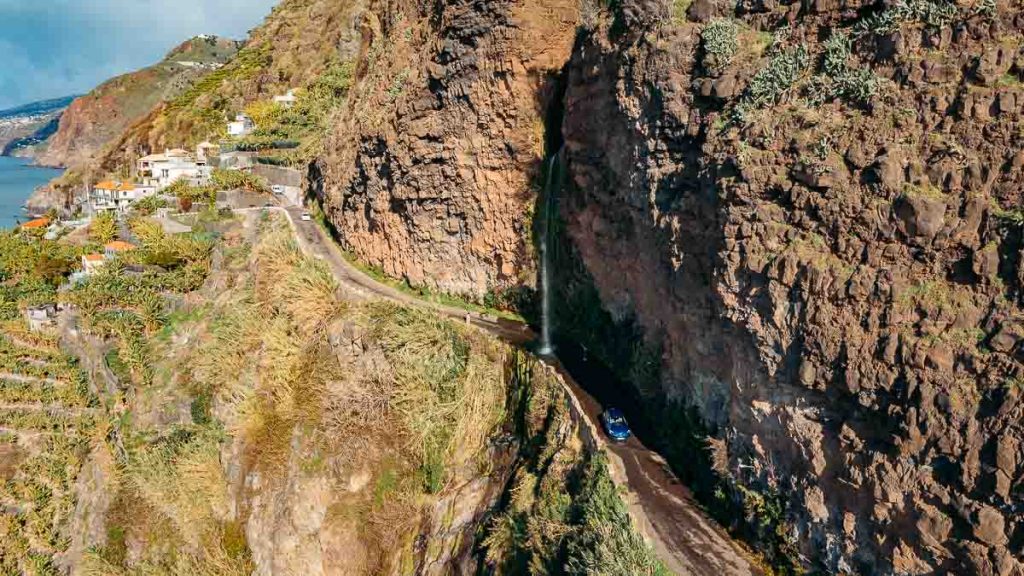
x=37, y=224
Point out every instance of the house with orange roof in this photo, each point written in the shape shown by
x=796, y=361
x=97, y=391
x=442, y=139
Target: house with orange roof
x=116, y=247
x=112, y=195
x=92, y=262
x=37, y=224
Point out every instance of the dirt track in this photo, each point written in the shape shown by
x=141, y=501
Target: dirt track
x=683, y=536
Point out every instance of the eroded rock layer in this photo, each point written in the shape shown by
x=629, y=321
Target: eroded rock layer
x=430, y=174
x=832, y=280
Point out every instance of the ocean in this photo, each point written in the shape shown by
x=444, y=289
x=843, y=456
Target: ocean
x=17, y=181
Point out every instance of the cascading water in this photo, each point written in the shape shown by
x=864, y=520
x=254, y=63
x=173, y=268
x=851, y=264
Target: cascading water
x=550, y=188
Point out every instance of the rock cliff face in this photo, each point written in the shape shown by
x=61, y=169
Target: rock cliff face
x=835, y=286
x=95, y=119
x=794, y=227
x=431, y=172
x=813, y=231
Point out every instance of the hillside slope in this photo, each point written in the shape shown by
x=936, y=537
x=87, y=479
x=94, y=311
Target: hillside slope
x=236, y=411
x=302, y=44
x=93, y=120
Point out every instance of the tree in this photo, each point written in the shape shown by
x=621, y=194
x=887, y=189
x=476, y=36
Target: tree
x=185, y=203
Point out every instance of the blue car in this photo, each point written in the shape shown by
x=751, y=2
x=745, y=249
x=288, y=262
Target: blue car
x=614, y=422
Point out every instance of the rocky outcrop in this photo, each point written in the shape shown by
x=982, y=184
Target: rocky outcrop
x=432, y=170
x=833, y=287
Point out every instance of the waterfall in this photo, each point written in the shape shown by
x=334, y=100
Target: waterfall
x=550, y=187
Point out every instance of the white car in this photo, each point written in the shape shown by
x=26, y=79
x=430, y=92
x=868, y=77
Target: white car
x=277, y=189
x=306, y=217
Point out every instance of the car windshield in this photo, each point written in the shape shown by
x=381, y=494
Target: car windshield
x=616, y=419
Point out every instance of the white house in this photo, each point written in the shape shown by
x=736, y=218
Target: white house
x=288, y=100
x=242, y=126
x=91, y=263
x=115, y=196
x=161, y=170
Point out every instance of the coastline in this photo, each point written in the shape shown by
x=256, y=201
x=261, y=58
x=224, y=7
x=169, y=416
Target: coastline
x=20, y=179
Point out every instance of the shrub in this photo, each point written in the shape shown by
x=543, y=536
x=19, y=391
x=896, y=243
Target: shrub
x=236, y=179
x=934, y=14
x=679, y=9
x=773, y=81
x=264, y=112
x=149, y=205
x=840, y=80
x=720, y=43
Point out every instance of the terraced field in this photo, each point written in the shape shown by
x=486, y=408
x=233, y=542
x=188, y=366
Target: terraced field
x=47, y=419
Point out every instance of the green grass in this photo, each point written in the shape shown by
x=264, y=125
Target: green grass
x=561, y=512
x=679, y=8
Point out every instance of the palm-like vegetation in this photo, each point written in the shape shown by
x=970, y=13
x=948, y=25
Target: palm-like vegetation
x=47, y=414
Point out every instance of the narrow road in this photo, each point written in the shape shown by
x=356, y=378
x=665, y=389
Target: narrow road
x=683, y=536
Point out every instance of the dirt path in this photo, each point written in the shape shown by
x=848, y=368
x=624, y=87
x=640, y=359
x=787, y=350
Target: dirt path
x=683, y=536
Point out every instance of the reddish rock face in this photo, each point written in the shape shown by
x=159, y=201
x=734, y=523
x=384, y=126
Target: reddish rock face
x=96, y=119
x=432, y=173
x=835, y=287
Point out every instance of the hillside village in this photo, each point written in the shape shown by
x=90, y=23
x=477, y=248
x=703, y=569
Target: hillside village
x=168, y=188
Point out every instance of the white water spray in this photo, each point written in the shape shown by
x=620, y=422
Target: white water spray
x=546, y=348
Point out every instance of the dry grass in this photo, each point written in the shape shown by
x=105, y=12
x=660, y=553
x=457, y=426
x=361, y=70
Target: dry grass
x=410, y=403
x=302, y=288
x=183, y=481
x=447, y=386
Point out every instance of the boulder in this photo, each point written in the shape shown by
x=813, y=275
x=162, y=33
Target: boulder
x=985, y=262
x=989, y=526
x=921, y=217
x=1006, y=338
x=890, y=172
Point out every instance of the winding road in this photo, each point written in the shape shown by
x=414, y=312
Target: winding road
x=683, y=536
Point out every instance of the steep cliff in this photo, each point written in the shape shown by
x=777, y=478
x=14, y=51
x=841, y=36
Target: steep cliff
x=802, y=223
x=94, y=120
x=431, y=171
x=235, y=412
x=809, y=214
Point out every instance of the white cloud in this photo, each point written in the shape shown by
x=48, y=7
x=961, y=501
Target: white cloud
x=51, y=48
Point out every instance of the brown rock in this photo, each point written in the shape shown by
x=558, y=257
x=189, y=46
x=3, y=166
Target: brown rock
x=933, y=526
x=988, y=525
x=985, y=262
x=890, y=171
x=1006, y=454
x=725, y=87
x=921, y=217
x=1006, y=338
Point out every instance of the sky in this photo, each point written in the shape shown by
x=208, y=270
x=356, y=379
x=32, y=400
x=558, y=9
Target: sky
x=54, y=48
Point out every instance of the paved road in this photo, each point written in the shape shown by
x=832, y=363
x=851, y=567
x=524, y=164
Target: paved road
x=682, y=534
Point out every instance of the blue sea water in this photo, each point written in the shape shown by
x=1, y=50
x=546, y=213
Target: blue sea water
x=17, y=181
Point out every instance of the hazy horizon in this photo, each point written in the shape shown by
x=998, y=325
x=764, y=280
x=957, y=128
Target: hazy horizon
x=69, y=47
